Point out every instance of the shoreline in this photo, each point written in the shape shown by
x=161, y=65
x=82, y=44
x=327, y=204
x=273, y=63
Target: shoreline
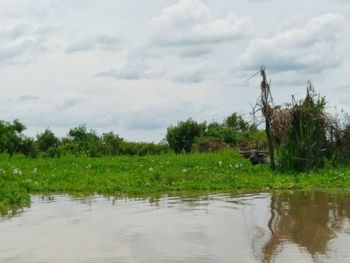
x=152, y=175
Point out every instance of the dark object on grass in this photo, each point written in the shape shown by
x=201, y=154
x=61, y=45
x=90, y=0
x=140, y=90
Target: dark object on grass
x=255, y=156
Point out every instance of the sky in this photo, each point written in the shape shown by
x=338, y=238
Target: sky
x=136, y=67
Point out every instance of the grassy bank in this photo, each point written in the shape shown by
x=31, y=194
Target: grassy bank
x=151, y=174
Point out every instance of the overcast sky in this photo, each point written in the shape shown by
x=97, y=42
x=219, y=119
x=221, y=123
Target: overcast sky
x=135, y=67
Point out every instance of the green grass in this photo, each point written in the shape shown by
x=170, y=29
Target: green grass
x=131, y=175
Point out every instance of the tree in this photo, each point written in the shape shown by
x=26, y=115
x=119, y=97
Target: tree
x=112, y=143
x=222, y=132
x=80, y=141
x=11, y=138
x=182, y=136
x=47, y=143
x=237, y=123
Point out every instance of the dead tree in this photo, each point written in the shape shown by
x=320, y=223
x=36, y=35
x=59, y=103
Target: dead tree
x=267, y=110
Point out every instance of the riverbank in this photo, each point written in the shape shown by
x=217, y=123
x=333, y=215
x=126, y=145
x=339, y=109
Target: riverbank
x=131, y=175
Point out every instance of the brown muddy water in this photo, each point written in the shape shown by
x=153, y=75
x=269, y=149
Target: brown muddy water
x=256, y=227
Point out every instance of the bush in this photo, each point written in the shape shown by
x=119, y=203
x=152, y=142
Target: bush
x=305, y=146
x=222, y=132
x=13, y=141
x=111, y=144
x=47, y=144
x=182, y=136
x=209, y=144
x=343, y=144
x=142, y=148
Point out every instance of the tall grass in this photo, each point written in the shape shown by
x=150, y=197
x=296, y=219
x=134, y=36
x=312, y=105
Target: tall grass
x=304, y=147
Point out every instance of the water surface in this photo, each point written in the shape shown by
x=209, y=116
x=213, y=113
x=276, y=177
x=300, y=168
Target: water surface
x=256, y=227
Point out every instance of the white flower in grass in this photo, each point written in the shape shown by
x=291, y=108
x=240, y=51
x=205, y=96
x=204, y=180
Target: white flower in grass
x=16, y=172
x=150, y=169
x=220, y=163
x=184, y=170
x=35, y=170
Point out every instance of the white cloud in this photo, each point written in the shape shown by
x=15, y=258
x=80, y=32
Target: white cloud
x=194, y=74
x=163, y=61
x=310, y=48
x=69, y=103
x=27, y=97
x=134, y=69
x=194, y=52
x=21, y=44
x=104, y=43
x=190, y=22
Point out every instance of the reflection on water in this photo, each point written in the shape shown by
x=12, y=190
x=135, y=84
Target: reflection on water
x=308, y=219
x=256, y=227
x=8, y=211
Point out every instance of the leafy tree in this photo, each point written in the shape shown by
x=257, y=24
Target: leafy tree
x=237, y=123
x=12, y=140
x=27, y=147
x=222, y=132
x=47, y=143
x=182, y=136
x=111, y=143
x=82, y=142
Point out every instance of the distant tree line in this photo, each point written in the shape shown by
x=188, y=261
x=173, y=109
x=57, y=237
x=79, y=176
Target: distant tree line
x=186, y=136
x=189, y=135
x=79, y=142
x=307, y=142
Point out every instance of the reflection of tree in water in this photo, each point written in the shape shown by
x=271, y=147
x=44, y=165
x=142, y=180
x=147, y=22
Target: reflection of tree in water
x=9, y=211
x=308, y=219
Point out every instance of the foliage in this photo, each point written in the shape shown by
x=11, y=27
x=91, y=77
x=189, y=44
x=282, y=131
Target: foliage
x=209, y=144
x=135, y=175
x=182, y=136
x=13, y=141
x=342, y=143
x=304, y=147
x=237, y=123
x=233, y=132
x=111, y=144
x=82, y=142
x=47, y=144
x=222, y=132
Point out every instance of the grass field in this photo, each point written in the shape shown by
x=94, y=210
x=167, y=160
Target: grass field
x=131, y=175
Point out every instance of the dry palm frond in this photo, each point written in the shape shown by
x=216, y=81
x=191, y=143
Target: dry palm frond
x=281, y=122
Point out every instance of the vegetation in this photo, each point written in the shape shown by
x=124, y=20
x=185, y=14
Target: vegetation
x=302, y=134
x=186, y=136
x=145, y=175
x=12, y=141
x=343, y=143
x=306, y=142
x=234, y=132
x=305, y=146
x=79, y=142
x=182, y=136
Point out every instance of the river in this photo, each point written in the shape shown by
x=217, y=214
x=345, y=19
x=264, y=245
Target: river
x=255, y=227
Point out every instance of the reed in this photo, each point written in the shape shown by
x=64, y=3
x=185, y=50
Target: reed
x=303, y=147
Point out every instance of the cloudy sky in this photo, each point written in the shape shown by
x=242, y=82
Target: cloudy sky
x=135, y=67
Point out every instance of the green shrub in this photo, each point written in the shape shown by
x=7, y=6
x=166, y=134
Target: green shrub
x=182, y=136
x=305, y=147
x=209, y=144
